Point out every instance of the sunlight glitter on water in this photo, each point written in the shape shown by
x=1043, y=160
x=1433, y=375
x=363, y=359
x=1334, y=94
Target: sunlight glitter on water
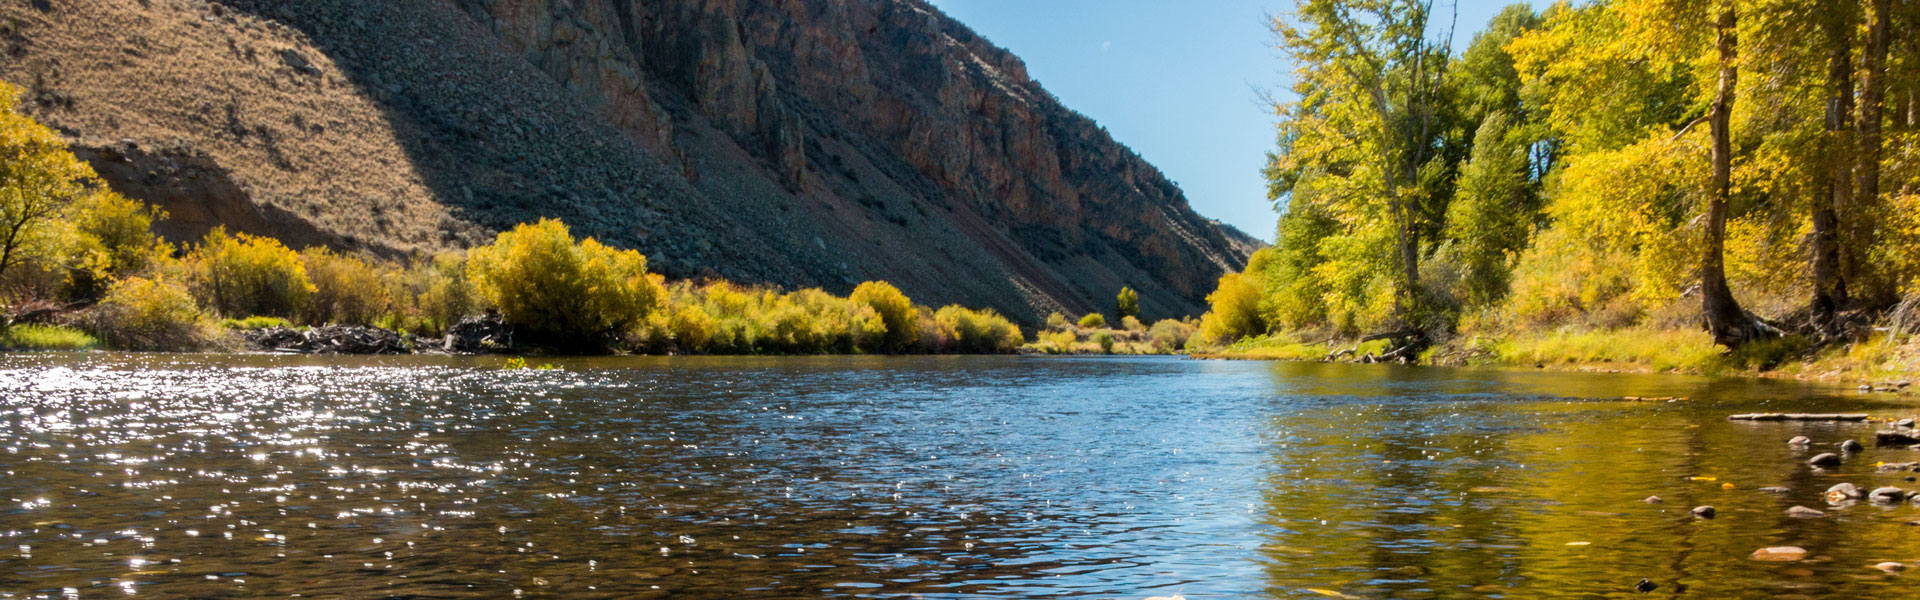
x=875, y=477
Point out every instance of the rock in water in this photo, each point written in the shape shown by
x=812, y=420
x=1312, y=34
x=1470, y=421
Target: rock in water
x=1894, y=438
x=1653, y=500
x=1825, y=459
x=1887, y=495
x=1645, y=586
x=1800, y=441
x=1803, y=512
x=1779, y=554
x=1851, y=446
x=1704, y=512
x=1842, y=492
x=1891, y=567
x=1774, y=489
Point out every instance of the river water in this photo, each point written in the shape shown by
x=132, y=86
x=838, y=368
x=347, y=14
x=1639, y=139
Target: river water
x=218, y=476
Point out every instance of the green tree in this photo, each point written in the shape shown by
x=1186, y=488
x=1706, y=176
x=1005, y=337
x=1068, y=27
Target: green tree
x=1368, y=131
x=1127, y=303
x=1491, y=218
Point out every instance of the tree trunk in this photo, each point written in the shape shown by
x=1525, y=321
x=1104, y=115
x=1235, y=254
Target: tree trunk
x=1829, y=285
x=1729, y=324
x=1866, y=189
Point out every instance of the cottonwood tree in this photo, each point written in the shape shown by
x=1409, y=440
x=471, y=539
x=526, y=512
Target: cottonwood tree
x=38, y=179
x=1365, y=133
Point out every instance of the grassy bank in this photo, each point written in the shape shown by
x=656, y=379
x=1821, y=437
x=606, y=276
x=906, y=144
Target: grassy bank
x=35, y=337
x=1883, y=358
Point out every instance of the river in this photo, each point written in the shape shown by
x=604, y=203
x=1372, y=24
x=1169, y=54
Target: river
x=215, y=476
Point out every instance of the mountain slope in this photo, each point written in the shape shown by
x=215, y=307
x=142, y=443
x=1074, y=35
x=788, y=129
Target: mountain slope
x=792, y=142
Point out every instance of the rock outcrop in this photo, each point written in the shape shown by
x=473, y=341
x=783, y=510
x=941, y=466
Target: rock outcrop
x=796, y=142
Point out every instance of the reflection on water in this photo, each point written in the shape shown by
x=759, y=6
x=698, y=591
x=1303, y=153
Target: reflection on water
x=218, y=476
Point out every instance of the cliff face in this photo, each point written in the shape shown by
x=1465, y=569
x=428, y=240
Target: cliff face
x=798, y=142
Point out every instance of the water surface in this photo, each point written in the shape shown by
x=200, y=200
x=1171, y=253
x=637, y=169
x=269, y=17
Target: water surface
x=937, y=477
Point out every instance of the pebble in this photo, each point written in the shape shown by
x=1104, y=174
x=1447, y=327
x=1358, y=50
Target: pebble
x=1851, y=446
x=1654, y=500
x=1825, y=459
x=1800, y=440
x=1803, y=512
x=1704, y=512
x=1780, y=554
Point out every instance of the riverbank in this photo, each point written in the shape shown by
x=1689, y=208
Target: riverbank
x=1880, y=362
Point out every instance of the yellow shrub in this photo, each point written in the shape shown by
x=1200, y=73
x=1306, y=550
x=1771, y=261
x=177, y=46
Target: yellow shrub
x=347, y=290
x=1168, y=335
x=144, y=314
x=1093, y=321
x=112, y=236
x=692, y=328
x=243, y=276
x=978, y=331
x=446, y=295
x=1235, y=311
x=1057, y=342
x=573, y=294
x=895, y=310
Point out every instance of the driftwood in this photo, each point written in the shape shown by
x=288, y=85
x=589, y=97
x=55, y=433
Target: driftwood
x=1848, y=417
x=333, y=339
x=478, y=334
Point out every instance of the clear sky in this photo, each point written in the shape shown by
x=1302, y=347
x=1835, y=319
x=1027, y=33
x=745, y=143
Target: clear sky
x=1175, y=80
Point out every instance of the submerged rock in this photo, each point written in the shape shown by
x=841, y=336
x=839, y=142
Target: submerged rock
x=1851, y=446
x=1779, y=554
x=1800, y=441
x=1774, y=489
x=1704, y=512
x=1894, y=438
x=1645, y=586
x=1803, y=512
x=1825, y=459
x=1653, y=500
x=1891, y=567
x=1841, y=492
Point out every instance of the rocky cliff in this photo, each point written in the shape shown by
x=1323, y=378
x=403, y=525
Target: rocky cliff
x=796, y=142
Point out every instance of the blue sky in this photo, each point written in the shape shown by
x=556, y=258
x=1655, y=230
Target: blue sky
x=1174, y=80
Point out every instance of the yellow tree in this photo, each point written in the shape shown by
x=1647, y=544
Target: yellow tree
x=38, y=179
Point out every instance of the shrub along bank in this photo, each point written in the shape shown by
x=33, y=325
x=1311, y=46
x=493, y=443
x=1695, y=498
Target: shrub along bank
x=83, y=264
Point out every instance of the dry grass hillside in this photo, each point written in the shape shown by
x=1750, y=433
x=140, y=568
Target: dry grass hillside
x=796, y=143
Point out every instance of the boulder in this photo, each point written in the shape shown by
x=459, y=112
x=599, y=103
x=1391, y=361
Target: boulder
x=1894, y=438
x=1887, y=495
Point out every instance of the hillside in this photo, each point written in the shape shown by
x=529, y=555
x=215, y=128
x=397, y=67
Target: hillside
x=792, y=142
